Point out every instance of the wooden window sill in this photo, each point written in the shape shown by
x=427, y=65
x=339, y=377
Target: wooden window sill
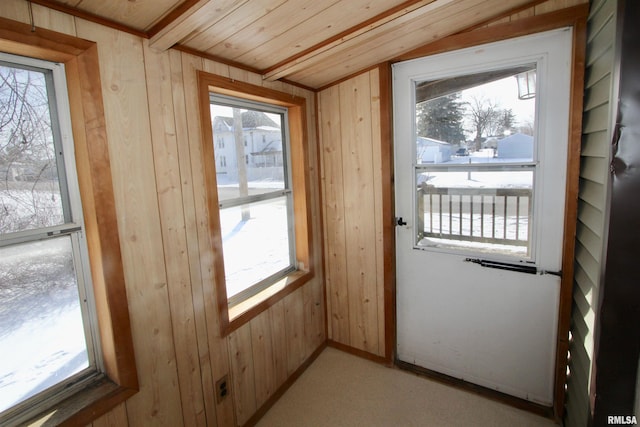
x=86, y=405
x=252, y=307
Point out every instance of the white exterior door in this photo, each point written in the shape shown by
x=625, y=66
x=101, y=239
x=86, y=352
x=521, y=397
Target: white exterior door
x=483, y=202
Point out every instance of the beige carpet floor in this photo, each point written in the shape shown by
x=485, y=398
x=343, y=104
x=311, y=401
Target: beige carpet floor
x=340, y=389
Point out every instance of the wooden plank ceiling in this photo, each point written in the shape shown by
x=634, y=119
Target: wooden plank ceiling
x=310, y=42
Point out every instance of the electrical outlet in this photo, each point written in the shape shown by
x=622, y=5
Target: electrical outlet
x=222, y=388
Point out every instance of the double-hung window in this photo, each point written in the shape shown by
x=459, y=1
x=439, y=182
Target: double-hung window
x=49, y=349
x=254, y=194
x=258, y=198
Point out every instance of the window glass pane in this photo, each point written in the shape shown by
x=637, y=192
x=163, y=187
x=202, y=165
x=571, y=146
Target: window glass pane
x=41, y=330
x=30, y=195
x=248, y=151
x=479, y=118
x=475, y=152
x=482, y=211
x=257, y=247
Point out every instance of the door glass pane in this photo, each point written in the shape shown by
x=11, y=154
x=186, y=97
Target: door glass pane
x=475, y=169
x=30, y=195
x=478, y=118
x=41, y=329
x=257, y=247
x=248, y=151
x=483, y=211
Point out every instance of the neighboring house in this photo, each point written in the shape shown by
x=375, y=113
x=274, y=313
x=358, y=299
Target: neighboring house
x=516, y=146
x=262, y=144
x=432, y=150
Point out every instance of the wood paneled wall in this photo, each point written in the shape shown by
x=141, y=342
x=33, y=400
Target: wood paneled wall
x=152, y=120
x=349, y=119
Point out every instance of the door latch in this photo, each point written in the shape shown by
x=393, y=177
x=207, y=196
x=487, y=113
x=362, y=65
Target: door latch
x=400, y=221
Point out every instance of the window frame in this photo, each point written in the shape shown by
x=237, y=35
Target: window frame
x=232, y=318
x=80, y=58
x=71, y=227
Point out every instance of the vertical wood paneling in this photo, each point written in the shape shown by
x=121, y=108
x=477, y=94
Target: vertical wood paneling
x=197, y=220
x=294, y=327
x=53, y=20
x=127, y=120
x=18, y=10
x=191, y=230
x=357, y=169
x=314, y=322
x=269, y=352
x=262, y=354
x=242, y=379
x=117, y=417
x=167, y=169
x=376, y=154
x=263, y=357
x=278, y=344
x=333, y=200
x=350, y=132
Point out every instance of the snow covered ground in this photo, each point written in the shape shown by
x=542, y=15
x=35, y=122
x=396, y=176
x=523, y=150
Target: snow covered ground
x=256, y=248
x=27, y=205
x=41, y=333
x=481, y=216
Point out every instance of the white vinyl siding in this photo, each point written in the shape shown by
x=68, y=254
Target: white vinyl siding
x=594, y=178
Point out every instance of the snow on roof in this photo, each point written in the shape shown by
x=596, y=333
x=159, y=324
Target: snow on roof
x=421, y=140
x=517, y=138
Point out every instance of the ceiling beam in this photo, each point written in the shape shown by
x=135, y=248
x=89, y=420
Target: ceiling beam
x=199, y=16
x=295, y=63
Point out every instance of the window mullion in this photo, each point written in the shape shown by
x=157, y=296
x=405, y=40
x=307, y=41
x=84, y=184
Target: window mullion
x=58, y=145
x=239, y=201
x=85, y=293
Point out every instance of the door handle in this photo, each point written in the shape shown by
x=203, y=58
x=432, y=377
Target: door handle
x=400, y=221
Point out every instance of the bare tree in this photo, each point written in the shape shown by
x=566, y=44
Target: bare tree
x=29, y=189
x=487, y=119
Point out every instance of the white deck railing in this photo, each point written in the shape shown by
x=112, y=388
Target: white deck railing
x=488, y=215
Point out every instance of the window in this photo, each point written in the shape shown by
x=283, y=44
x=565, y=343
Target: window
x=259, y=216
x=256, y=205
x=475, y=165
x=46, y=294
x=43, y=220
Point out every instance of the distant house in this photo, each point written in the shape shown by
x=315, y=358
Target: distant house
x=431, y=150
x=262, y=143
x=516, y=146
